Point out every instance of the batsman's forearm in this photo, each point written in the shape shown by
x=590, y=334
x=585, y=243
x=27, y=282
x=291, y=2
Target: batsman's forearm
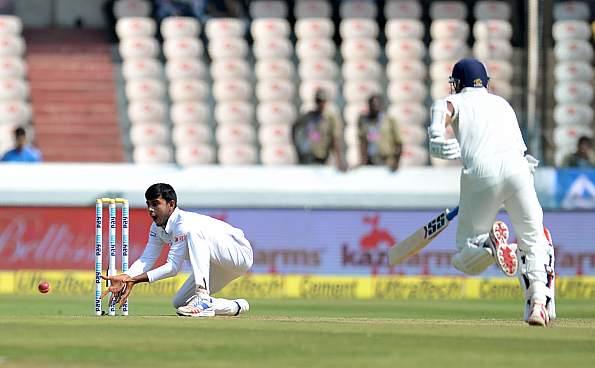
x=141, y=278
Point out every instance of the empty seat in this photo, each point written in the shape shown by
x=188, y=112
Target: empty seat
x=275, y=90
x=488, y=29
x=146, y=111
x=573, y=114
x=360, y=48
x=439, y=89
x=132, y=8
x=237, y=154
x=362, y=70
x=449, y=28
x=191, y=133
x=13, y=89
x=357, y=9
x=11, y=45
x=144, y=89
x=188, y=90
x=407, y=91
x=182, y=48
x=573, y=50
x=494, y=49
x=312, y=9
x=573, y=71
x=268, y=9
x=315, y=48
x=405, y=49
x=499, y=69
x=448, y=50
x=230, y=69
x=276, y=112
x=568, y=135
x=194, y=154
x=141, y=68
x=441, y=70
x=274, y=69
x=152, y=154
x=308, y=89
x=402, y=9
x=235, y=133
x=14, y=112
x=148, y=134
x=361, y=90
x=187, y=68
x=231, y=90
x=138, y=48
x=414, y=155
x=413, y=134
x=492, y=10
x=189, y=112
x=135, y=27
x=275, y=134
x=352, y=112
x=448, y=10
x=314, y=28
x=270, y=28
x=179, y=27
x=358, y=28
x=12, y=67
x=10, y=24
x=317, y=69
x=235, y=112
x=406, y=69
x=571, y=10
x=573, y=92
x=564, y=30
x=501, y=88
x=228, y=48
x=272, y=48
x=224, y=28
x=404, y=28
x=278, y=154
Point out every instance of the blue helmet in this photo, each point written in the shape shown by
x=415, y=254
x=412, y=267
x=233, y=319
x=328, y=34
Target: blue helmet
x=469, y=73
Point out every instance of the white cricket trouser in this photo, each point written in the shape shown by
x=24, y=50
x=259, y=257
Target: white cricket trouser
x=224, y=261
x=480, y=201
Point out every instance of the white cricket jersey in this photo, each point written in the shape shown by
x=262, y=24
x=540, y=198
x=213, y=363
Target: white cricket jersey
x=488, y=132
x=183, y=229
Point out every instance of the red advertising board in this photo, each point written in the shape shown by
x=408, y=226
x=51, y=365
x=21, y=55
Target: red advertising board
x=62, y=238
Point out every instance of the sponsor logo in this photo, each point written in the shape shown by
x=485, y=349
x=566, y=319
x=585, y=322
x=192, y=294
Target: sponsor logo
x=373, y=246
x=180, y=238
x=477, y=83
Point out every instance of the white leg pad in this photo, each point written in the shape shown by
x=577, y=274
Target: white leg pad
x=473, y=258
x=538, y=281
x=225, y=307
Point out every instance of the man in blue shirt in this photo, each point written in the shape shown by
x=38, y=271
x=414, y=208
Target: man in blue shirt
x=22, y=152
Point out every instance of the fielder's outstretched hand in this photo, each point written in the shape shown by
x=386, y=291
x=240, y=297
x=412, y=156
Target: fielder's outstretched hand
x=120, y=287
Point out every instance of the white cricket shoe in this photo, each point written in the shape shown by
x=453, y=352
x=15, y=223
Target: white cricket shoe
x=504, y=253
x=197, y=306
x=243, y=306
x=538, y=315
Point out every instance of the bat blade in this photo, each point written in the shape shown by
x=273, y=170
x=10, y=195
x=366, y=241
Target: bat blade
x=420, y=238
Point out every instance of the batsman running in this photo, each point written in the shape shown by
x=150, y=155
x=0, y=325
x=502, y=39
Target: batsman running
x=495, y=172
x=217, y=251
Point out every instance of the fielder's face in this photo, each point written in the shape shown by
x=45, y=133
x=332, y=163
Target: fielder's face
x=160, y=210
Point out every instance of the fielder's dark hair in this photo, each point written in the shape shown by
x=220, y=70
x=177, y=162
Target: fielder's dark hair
x=584, y=140
x=166, y=192
x=20, y=132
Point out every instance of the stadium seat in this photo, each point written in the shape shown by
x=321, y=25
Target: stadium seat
x=270, y=28
x=494, y=49
x=309, y=87
x=448, y=50
x=573, y=50
x=413, y=134
x=414, y=155
x=499, y=69
x=573, y=114
x=139, y=48
x=402, y=9
x=14, y=112
x=144, y=89
x=10, y=24
x=358, y=9
x=141, y=68
x=574, y=92
x=492, y=10
x=448, y=10
x=405, y=49
x=11, y=45
x=564, y=30
x=353, y=111
x=318, y=69
x=276, y=113
x=274, y=69
x=573, y=71
x=362, y=70
x=132, y=27
x=225, y=28
x=501, y=88
x=194, y=154
x=404, y=28
x=152, y=154
x=315, y=48
x=360, y=90
x=490, y=29
x=230, y=69
x=360, y=49
x=228, y=48
x=180, y=27
x=275, y=90
x=147, y=111
x=189, y=112
x=150, y=133
x=405, y=69
x=12, y=67
x=272, y=48
x=407, y=91
x=441, y=70
x=312, y=9
x=409, y=113
x=358, y=28
x=232, y=133
x=185, y=68
x=278, y=154
x=449, y=28
x=13, y=89
x=275, y=134
x=232, y=90
x=188, y=90
x=439, y=89
x=191, y=133
x=571, y=10
x=237, y=154
x=182, y=48
x=234, y=112
x=132, y=8
x=314, y=28
x=568, y=135
x=268, y=9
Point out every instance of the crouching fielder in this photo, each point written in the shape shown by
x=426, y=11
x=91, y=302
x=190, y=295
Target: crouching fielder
x=218, y=254
x=496, y=172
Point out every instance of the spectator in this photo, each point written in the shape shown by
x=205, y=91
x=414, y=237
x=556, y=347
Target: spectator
x=171, y=8
x=318, y=131
x=22, y=152
x=379, y=139
x=583, y=157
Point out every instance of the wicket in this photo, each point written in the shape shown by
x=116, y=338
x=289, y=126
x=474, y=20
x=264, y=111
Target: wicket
x=112, y=204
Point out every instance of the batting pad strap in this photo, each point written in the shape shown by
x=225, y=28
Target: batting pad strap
x=439, y=111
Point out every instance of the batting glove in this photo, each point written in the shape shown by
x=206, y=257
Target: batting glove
x=447, y=149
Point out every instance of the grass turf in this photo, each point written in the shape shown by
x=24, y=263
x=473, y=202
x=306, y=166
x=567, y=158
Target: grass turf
x=56, y=331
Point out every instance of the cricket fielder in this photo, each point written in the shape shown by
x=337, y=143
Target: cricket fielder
x=495, y=172
x=217, y=251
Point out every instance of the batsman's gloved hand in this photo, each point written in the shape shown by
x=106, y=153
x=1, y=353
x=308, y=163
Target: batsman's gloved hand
x=447, y=149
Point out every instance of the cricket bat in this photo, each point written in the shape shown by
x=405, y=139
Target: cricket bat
x=421, y=238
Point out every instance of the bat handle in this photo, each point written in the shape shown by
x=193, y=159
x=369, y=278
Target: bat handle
x=452, y=214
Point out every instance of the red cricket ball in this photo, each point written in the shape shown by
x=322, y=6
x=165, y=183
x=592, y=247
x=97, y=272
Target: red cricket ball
x=43, y=287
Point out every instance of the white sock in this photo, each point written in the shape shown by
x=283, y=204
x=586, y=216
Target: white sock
x=225, y=307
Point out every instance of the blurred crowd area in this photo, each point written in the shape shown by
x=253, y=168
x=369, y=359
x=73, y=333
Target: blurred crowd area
x=315, y=82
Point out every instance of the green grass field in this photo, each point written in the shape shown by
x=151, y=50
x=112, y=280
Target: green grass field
x=55, y=331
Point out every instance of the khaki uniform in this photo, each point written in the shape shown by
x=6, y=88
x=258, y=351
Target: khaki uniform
x=382, y=138
x=314, y=135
